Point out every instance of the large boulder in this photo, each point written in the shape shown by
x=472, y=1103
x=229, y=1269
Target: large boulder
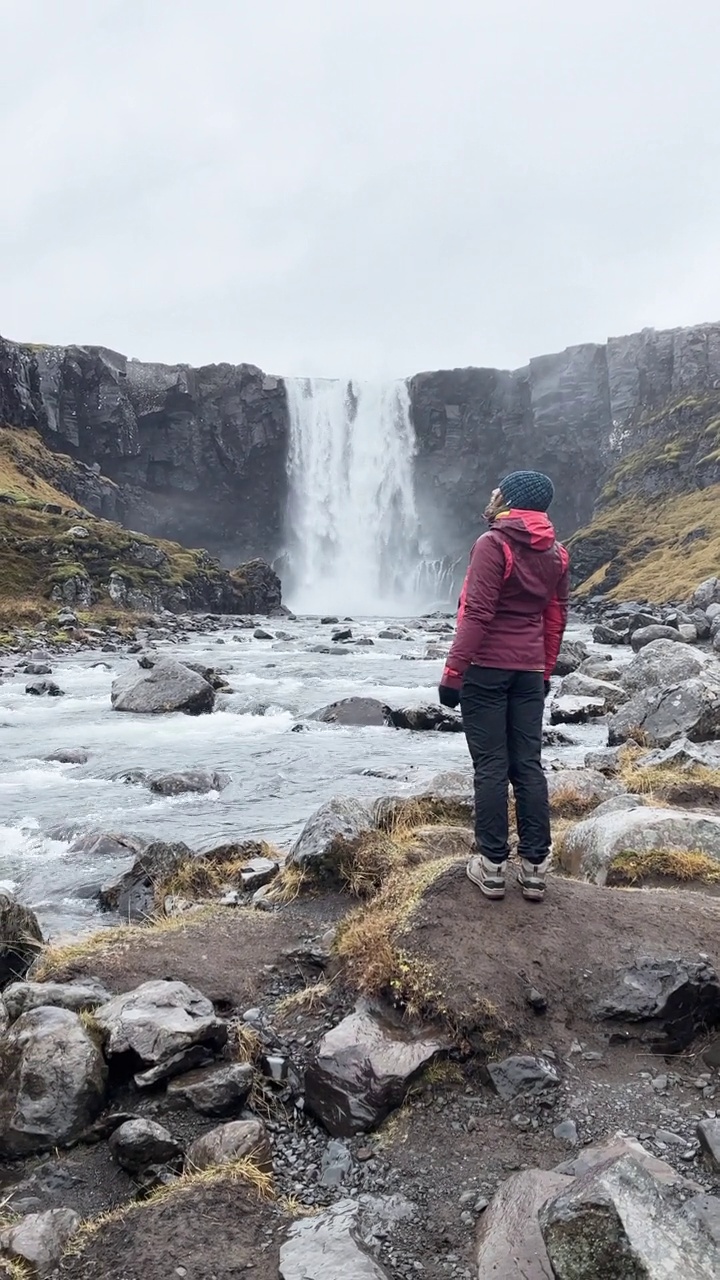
x=661, y=664
x=158, y=1022
x=133, y=893
x=658, y=716
x=590, y=848
x=167, y=686
x=21, y=997
x=707, y=593
x=236, y=1140
x=213, y=1091
x=618, y=1220
x=20, y=939
x=509, y=1241
x=329, y=833
x=646, y=635
x=329, y=1246
x=37, y=1243
x=361, y=1071
x=355, y=711
x=673, y=998
x=571, y=656
x=52, y=1082
x=580, y=686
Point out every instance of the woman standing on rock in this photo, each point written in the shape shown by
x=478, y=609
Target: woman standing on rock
x=512, y=616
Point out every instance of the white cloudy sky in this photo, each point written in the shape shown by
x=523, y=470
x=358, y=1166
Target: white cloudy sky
x=367, y=186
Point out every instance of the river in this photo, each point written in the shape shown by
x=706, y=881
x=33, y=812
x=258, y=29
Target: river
x=278, y=776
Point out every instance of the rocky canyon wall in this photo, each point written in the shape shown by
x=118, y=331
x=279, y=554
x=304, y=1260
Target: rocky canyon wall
x=200, y=455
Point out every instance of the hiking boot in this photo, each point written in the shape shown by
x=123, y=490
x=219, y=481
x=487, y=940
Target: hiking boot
x=531, y=878
x=488, y=876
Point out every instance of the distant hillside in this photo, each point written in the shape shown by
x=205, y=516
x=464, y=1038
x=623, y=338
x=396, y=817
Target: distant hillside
x=54, y=552
x=656, y=529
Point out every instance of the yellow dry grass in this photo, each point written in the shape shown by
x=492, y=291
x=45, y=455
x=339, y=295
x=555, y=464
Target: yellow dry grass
x=673, y=784
x=568, y=802
x=678, y=865
x=308, y=999
x=56, y=959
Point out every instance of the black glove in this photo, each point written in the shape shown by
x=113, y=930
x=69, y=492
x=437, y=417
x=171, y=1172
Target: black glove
x=449, y=697
x=547, y=688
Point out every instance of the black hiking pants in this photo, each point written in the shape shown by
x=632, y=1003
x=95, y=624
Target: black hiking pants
x=502, y=715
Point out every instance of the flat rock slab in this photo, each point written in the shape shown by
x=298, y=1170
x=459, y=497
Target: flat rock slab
x=574, y=710
x=213, y=1091
x=328, y=1247
x=21, y=997
x=509, y=1241
x=361, y=1071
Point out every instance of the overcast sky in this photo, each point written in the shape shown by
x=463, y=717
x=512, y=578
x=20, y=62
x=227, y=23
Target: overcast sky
x=357, y=186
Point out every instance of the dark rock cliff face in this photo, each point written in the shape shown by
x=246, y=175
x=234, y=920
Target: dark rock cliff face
x=576, y=415
x=198, y=455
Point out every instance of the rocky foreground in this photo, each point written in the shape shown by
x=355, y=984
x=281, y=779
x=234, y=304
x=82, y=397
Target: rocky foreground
x=339, y=1060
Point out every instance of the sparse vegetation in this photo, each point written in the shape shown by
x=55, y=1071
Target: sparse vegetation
x=683, y=785
x=63, y=958
x=630, y=868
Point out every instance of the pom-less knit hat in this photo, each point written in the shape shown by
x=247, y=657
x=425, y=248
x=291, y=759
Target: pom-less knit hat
x=527, y=490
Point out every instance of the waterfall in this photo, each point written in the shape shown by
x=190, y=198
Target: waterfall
x=352, y=534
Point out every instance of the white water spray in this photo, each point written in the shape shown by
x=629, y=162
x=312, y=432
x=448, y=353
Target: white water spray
x=353, y=532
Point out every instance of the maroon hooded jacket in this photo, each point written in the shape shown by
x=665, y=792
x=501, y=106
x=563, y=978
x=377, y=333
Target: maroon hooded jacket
x=514, y=601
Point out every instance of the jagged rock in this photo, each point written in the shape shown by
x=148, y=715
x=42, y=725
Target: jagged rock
x=591, y=846
x=20, y=939
x=708, y=593
x=167, y=686
x=44, y=688
x=581, y=789
x=611, y=1149
x=509, y=1241
x=644, y=636
x=185, y=1060
x=336, y=1164
x=69, y=755
x=355, y=711
x=603, y=634
x=600, y=1225
x=661, y=715
x=133, y=893
x=138, y=1144
x=195, y=780
x=158, y=1020
x=237, y=1140
x=21, y=997
x=328, y=834
x=435, y=718
x=38, y=1241
x=213, y=1091
x=571, y=656
x=328, y=1246
x=261, y=634
x=708, y=1132
x=258, y=872
x=361, y=1071
x=522, y=1074
x=661, y=664
x=605, y=761
x=581, y=686
x=37, y=669
x=682, y=754
x=567, y=710
x=52, y=1082
x=677, y=997
x=701, y=622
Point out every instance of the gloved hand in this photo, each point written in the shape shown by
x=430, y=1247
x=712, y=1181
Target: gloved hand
x=547, y=688
x=449, y=697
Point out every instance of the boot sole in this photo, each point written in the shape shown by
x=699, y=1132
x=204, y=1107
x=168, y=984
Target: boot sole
x=495, y=894
x=532, y=894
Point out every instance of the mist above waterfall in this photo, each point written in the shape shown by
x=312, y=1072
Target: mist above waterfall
x=353, y=533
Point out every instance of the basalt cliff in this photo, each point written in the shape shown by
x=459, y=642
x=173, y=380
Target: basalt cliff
x=629, y=430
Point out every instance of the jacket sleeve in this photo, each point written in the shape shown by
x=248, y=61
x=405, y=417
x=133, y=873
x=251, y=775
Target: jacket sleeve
x=478, y=605
x=556, y=615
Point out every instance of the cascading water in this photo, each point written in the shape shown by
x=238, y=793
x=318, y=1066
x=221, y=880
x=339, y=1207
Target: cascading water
x=353, y=533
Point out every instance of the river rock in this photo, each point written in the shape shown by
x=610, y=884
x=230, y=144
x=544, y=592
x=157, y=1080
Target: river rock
x=133, y=893
x=581, y=686
x=85, y=993
x=661, y=664
x=37, y=669
x=38, y=1241
x=522, y=1074
x=158, y=1021
x=708, y=593
x=237, y=1140
x=196, y=780
x=509, y=1240
x=329, y=1246
x=137, y=1144
x=572, y=654
x=590, y=847
x=20, y=939
x=167, y=686
x=52, y=1082
x=355, y=711
x=661, y=715
x=44, y=688
x=361, y=1071
x=567, y=710
x=213, y=1091
x=645, y=635
x=603, y=634
x=329, y=833
x=69, y=755
x=600, y=1226
x=433, y=717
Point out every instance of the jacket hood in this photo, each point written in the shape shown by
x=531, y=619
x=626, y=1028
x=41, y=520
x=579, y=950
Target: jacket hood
x=533, y=528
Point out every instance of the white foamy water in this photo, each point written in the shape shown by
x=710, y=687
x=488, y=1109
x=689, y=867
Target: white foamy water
x=278, y=776
x=353, y=532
